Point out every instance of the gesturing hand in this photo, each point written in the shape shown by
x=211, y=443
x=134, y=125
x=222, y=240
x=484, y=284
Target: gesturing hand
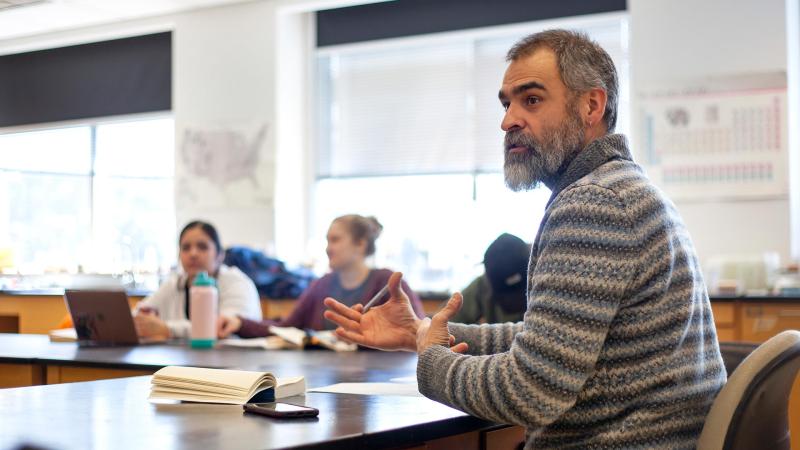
x=390, y=326
x=435, y=332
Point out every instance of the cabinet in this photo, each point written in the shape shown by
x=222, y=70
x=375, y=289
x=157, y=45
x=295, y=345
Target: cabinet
x=761, y=321
x=726, y=321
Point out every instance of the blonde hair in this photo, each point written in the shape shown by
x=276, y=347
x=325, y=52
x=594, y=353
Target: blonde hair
x=362, y=228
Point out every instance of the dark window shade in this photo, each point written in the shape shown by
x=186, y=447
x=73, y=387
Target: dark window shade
x=122, y=76
x=412, y=17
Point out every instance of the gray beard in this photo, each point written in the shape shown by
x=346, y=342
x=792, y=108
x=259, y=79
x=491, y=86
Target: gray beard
x=545, y=158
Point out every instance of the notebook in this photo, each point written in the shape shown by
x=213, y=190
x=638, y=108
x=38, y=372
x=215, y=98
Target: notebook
x=233, y=387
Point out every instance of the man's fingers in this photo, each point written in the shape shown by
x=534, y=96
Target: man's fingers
x=461, y=347
x=358, y=307
x=342, y=310
x=450, y=309
x=340, y=335
x=395, y=288
x=341, y=320
x=350, y=336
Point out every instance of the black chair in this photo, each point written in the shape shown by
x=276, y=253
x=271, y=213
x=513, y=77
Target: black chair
x=752, y=410
x=733, y=353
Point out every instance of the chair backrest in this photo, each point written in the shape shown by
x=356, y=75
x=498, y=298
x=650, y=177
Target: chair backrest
x=752, y=410
x=733, y=353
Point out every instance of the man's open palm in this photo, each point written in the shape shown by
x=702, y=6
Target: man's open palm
x=390, y=326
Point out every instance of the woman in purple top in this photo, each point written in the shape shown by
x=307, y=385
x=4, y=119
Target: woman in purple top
x=351, y=240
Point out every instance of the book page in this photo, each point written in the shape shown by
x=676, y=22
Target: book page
x=242, y=379
x=293, y=335
x=329, y=340
x=289, y=386
x=266, y=343
x=198, y=384
x=63, y=335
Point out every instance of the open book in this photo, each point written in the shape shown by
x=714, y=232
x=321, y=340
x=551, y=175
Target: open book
x=236, y=387
x=293, y=338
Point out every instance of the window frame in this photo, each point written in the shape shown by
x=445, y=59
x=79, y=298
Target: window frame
x=475, y=37
x=91, y=175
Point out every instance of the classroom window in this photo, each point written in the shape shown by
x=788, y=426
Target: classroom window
x=409, y=131
x=88, y=198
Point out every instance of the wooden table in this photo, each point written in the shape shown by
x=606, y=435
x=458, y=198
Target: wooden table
x=116, y=413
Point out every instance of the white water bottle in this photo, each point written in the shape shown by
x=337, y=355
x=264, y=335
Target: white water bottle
x=203, y=306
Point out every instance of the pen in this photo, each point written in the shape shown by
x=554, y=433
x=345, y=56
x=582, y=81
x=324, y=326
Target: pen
x=374, y=299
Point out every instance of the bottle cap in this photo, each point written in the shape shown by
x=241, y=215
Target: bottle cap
x=202, y=279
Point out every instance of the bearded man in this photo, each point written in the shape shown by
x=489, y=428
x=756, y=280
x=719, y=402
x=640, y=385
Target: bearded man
x=617, y=348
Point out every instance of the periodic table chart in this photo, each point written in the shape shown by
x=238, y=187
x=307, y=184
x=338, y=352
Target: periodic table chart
x=716, y=145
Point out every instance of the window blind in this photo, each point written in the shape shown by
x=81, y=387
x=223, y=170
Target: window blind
x=425, y=108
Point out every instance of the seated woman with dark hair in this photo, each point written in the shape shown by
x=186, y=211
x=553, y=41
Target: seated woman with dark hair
x=165, y=313
x=351, y=240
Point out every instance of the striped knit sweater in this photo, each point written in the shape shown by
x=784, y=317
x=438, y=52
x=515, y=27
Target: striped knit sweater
x=618, y=347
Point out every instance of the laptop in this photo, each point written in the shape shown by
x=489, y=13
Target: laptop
x=102, y=318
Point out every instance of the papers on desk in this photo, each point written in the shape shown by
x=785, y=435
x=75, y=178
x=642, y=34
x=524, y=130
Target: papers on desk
x=327, y=339
x=292, y=335
x=397, y=389
x=265, y=343
x=292, y=338
x=63, y=335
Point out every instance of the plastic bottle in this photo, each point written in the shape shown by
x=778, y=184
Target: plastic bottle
x=203, y=308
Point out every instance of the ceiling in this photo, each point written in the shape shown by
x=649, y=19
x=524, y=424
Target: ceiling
x=46, y=16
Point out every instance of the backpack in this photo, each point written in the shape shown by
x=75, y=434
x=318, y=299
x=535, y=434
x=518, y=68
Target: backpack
x=270, y=275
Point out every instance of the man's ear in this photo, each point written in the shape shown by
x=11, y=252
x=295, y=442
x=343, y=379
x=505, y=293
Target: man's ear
x=595, y=106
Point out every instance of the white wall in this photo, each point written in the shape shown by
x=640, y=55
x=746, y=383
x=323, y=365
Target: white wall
x=793, y=74
x=681, y=40
x=223, y=75
x=294, y=133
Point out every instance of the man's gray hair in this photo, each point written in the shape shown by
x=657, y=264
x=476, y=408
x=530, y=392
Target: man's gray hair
x=582, y=64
